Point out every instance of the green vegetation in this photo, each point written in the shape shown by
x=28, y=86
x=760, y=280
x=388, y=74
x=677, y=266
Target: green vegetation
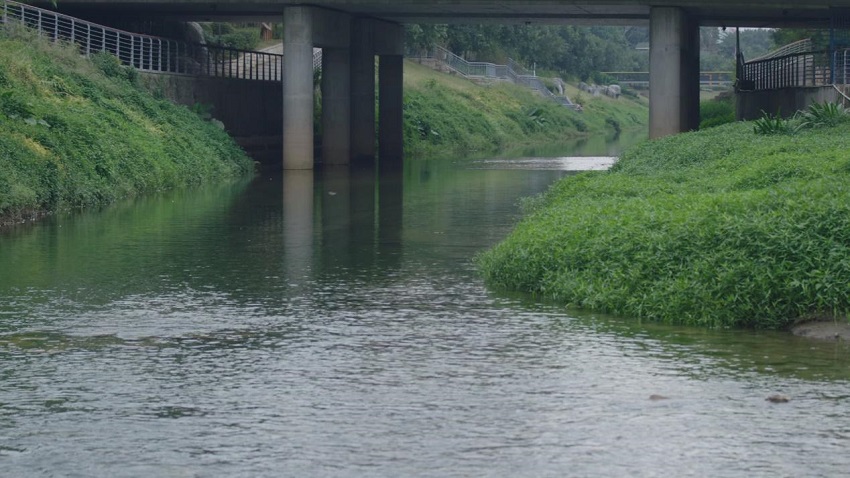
x=572, y=51
x=580, y=52
x=717, y=111
x=718, y=46
x=242, y=37
x=76, y=133
x=447, y=115
x=818, y=115
x=770, y=124
x=715, y=228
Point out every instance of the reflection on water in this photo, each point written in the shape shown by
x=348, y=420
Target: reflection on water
x=610, y=146
x=333, y=324
x=570, y=163
x=595, y=153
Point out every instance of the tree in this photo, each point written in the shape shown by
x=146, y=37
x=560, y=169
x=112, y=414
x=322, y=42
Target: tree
x=819, y=37
x=424, y=37
x=570, y=50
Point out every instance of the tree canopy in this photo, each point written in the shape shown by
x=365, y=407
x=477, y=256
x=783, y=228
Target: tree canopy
x=577, y=51
x=566, y=49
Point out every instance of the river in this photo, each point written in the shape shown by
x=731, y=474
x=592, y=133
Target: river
x=322, y=324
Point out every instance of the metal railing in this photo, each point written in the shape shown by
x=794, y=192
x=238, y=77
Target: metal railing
x=787, y=71
x=841, y=67
x=641, y=78
x=145, y=52
x=799, y=46
x=512, y=72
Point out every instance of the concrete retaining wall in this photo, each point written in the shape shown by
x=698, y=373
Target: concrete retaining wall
x=250, y=110
x=786, y=101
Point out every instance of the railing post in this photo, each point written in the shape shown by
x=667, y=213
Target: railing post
x=773, y=76
x=39, y=22
x=805, y=70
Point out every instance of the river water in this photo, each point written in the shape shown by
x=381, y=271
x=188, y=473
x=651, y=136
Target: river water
x=333, y=325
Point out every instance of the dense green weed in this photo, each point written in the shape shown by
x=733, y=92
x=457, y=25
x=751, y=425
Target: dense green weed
x=446, y=116
x=719, y=228
x=717, y=111
x=77, y=133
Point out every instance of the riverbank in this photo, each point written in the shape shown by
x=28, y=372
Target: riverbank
x=446, y=115
x=717, y=228
x=80, y=133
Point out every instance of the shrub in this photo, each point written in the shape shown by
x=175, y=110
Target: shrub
x=716, y=112
x=771, y=125
x=823, y=115
x=112, y=67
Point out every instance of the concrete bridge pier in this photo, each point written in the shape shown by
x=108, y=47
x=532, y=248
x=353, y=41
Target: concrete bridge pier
x=673, y=72
x=362, y=91
x=336, y=106
x=348, y=87
x=298, y=88
x=390, y=136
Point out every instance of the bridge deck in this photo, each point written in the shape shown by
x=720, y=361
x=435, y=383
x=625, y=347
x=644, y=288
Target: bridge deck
x=715, y=12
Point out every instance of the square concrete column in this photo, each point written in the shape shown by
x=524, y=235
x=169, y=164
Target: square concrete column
x=298, y=88
x=391, y=91
x=673, y=72
x=336, y=106
x=362, y=92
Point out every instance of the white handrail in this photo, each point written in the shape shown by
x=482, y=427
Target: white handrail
x=146, y=52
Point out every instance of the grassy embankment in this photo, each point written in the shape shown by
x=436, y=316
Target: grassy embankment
x=79, y=133
x=446, y=115
x=717, y=228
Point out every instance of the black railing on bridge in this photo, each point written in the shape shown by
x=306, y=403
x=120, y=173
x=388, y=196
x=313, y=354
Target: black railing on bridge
x=146, y=52
x=792, y=70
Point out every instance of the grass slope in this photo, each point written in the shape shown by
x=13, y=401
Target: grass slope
x=448, y=115
x=717, y=228
x=77, y=133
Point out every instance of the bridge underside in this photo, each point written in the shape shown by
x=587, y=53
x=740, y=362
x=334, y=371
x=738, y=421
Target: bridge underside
x=354, y=32
x=751, y=13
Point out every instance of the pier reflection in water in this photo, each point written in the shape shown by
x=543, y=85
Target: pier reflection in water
x=333, y=324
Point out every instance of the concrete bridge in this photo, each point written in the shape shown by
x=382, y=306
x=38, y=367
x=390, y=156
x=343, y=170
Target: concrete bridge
x=353, y=32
